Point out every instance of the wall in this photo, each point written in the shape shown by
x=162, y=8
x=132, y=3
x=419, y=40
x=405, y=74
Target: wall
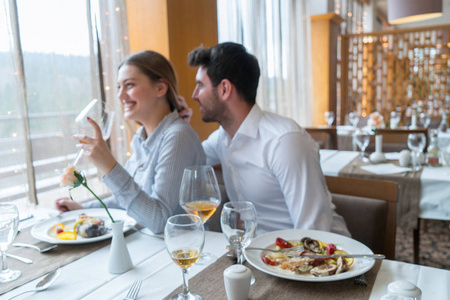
x=174, y=28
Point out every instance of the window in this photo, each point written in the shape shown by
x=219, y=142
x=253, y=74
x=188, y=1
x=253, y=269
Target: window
x=50, y=71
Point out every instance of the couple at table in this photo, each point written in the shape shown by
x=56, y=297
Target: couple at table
x=266, y=159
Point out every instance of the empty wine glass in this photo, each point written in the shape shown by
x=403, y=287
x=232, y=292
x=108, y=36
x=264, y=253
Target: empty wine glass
x=9, y=224
x=105, y=120
x=362, y=138
x=200, y=195
x=238, y=222
x=329, y=117
x=416, y=143
x=425, y=119
x=184, y=236
x=353, y=118
x=394, y=120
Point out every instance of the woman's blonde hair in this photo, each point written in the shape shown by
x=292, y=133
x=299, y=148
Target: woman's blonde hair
x=156, y=67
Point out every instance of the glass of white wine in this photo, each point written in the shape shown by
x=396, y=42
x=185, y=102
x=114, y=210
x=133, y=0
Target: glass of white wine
x=9, y=224
x=184, y=236
x=200, y=195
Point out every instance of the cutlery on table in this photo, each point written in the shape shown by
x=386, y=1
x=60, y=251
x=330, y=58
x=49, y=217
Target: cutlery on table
x=35, y=247
x=22, y=259
x=44, y=283
x=360, y=280
x=134, y=290
x=373, y=256
x=282, y=250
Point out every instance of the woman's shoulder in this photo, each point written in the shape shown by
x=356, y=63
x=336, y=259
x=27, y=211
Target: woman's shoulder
x=181, y=128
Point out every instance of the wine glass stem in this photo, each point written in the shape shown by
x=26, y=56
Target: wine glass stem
x=185, y=281
x=240, y=255
x=4, y=264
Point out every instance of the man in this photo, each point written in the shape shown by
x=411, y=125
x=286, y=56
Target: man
x=266, y=159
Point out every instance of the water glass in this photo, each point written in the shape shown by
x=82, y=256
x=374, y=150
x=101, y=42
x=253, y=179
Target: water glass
x=329, y=117
x=416, y=143
x=9, y=224
x=184, y=236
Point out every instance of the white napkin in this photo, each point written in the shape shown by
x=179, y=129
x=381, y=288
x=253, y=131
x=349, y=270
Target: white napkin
x=381, y=169
x=392, y=155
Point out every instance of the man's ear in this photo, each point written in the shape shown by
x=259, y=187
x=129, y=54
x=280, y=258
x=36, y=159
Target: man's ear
x=162, y=86
x=224, y=89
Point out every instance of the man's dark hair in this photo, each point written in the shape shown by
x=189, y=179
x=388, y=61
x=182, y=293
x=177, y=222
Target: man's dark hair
x=229, y=61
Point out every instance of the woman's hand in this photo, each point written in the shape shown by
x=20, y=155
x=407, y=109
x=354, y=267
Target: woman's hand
x=96, y=149
x=186, y=112
x=65, y=204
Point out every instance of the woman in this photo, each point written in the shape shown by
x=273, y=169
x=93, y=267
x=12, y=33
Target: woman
x=162, y=147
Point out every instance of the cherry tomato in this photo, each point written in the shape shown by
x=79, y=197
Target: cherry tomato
x=269, y=261
x=282, y=243
x=331, y=248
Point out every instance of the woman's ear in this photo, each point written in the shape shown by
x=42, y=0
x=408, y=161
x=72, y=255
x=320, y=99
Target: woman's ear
x=161, y=87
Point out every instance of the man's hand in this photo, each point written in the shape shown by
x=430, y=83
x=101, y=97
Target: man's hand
x=186, y=112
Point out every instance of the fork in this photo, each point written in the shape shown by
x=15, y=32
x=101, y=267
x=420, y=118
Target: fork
x=35, y=247
x=134, y=290
x=361, y=280
x=282, y=250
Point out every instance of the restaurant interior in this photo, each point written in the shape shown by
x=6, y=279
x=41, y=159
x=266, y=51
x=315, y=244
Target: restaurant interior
x=369, y=80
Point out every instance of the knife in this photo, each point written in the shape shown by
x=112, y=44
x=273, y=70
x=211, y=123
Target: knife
x=22, y=259
x=374, y=256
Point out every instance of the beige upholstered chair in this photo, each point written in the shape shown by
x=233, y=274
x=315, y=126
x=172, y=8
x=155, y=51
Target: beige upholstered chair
x=369, y=209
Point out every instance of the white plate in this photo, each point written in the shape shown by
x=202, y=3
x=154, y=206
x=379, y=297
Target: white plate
x=41, y=230
x=359, y=266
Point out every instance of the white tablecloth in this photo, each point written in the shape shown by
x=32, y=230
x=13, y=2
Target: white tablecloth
x=88, y=278
x=435, y=181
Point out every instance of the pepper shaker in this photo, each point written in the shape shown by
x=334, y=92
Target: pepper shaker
x=237, y=282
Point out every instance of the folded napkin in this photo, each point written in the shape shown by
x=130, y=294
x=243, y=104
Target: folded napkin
x=385, y=169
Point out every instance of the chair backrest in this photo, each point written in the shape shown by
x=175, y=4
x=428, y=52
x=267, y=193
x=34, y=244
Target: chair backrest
x=326, y=137
x=395, y=140
x=369, y=208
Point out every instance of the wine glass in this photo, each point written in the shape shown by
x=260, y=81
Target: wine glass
x=394, y=120
x=329, y=117
x=238, y=222
x=362, y=138
x=200, y=195
x=9, y=223
x=416, y=143
x=353, y=118
x=184, y=236
x=425, y=119
x=105, y=121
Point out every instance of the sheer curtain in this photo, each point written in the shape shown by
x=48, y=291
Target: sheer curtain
x=55, y=57
x=277, y=32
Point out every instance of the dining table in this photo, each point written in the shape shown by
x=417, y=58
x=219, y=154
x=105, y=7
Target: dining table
x=87, y=276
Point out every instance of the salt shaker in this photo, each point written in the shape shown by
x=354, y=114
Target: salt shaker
x=237, y=282
x=404, y=158
x=405, y=290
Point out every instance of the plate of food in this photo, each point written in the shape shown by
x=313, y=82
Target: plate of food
x=308, y=269
x=80, y=226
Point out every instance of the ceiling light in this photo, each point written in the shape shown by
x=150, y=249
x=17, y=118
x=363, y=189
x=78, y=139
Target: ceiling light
x=407, y=11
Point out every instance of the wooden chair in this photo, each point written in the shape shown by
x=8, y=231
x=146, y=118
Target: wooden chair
x=326, y=137
x=395, y=140
x=369, y=208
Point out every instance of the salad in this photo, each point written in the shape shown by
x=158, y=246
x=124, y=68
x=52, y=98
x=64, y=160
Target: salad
x=305, y=266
